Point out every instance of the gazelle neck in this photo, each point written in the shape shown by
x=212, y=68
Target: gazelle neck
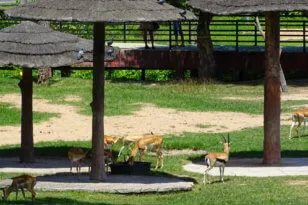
x=226, y=148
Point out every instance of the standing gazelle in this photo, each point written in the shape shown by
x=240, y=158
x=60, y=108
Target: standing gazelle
x=75, y=155
x=217, y=159
x=299, y=117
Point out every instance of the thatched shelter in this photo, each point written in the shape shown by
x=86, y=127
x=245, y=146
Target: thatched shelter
x=30, y=45
x=271, y=8
x=99, y=12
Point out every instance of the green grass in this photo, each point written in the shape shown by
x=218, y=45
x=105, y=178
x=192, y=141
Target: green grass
x=245, y=143
x=122, y=98
x=12, y=116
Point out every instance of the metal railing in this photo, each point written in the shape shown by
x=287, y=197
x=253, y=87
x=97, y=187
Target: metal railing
x=233, y=31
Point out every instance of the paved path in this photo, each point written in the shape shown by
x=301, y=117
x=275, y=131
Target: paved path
x=254, y=168
x=54, y=176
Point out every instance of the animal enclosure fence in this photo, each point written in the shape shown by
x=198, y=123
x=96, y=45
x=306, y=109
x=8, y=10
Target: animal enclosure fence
x=235, y=31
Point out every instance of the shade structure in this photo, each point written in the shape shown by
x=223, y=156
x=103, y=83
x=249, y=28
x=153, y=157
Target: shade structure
x=99, y=11
x=271, y=8
x=231, y=7
x=31, y=45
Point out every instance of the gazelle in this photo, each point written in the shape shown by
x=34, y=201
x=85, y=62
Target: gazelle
x=145, y=143
x=109, y=141
x=127, y=141
x=217, y=159
x=299, y=117
x=108, y=156
x=75, y=155
x=20, y=182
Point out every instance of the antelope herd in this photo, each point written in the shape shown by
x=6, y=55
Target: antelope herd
x=140, y=144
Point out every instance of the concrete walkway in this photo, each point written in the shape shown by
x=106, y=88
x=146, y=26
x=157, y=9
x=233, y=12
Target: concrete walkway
x=254, y=168
x=54, y=175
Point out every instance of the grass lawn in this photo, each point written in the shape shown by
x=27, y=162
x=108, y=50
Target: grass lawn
x=123, y=97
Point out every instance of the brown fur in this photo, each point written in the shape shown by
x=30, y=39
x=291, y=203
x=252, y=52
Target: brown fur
x=298, y=116
x=218, y=159
x=142, y=145
x=76, y=154
x=20, y=182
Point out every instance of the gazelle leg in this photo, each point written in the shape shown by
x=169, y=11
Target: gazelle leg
x=292, y=126
x=159, y=159
x=222, y=170
x=23, y=192
x=71, y=166
x=304, y=127
x=16, y=189
x=32, y=192
x=206, y=175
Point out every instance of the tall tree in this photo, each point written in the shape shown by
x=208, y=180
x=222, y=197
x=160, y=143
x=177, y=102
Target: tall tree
x=206, y=54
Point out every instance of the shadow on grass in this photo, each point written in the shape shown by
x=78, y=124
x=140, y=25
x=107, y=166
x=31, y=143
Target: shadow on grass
x=50, y=200
x=199, y=159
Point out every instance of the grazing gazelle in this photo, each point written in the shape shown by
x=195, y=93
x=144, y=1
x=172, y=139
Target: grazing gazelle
x=145, y=143
x=109, y=141
x=217, y=159
x=20, y=182
x=127, y=141
x=75, y=155
x=299, y=117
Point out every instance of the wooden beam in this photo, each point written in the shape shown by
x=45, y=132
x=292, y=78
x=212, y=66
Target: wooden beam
x=272, y=152
x=98, y=164
x=27, y=147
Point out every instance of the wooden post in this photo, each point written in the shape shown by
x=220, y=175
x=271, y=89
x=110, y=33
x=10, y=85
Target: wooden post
x=27, y=148
x=98, y=164
x=272, y=91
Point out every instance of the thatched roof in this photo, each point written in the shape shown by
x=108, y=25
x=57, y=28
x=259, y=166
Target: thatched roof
x=99, y=11
x=31, y=45
x=230, y=7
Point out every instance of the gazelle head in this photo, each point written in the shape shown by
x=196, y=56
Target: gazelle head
x=226, y=142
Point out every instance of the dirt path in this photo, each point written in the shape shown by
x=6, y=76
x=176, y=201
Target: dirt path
x=73, y=126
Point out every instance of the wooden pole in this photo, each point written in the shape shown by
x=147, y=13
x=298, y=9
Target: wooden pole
x=98, y=164
x=27, y=147
x=283, y=82
x=272, y=91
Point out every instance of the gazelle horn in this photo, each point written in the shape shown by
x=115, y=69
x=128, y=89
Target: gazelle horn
x=224, y=138
x=228, y=138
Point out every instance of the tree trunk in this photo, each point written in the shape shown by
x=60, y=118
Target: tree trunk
x=98, y=164
x=27, y=148
x=206, y=54
x=44, y=75
x=272, y=91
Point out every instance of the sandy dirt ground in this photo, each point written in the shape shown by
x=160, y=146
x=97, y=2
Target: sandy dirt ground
x=73, y=126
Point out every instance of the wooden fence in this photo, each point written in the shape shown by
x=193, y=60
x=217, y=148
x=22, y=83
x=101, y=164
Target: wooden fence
x=235, y=31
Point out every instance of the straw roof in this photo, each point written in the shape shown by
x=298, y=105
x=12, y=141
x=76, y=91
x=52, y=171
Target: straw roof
x=99, y=11
x=230, y=7
x=31, y=45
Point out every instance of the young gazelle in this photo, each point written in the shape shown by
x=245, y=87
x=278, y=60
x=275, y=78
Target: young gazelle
x=299, y=117
x=147, y=142
x=75, y=155
x=20, y=182
x=217, y=159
